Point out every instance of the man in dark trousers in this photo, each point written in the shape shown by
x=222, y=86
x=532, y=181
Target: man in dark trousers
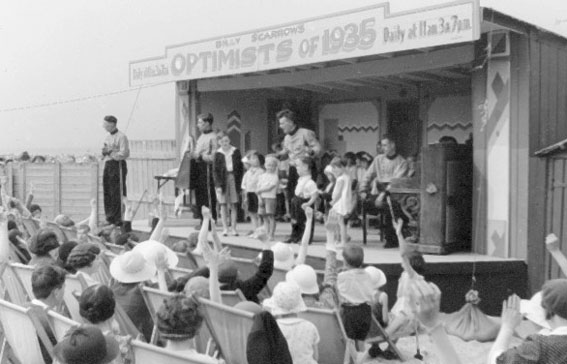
x=115, y=153
x=203, y=157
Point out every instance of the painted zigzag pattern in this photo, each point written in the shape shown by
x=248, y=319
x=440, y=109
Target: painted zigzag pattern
x=365, y=129
x=445, y=126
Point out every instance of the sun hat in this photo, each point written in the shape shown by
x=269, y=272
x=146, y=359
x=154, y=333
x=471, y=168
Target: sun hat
x=377, y=277
x=533, y=311
x=153, y=250
x=86, y=344
x=132, y=267
x=554, y=297
x=64, y=220
x=283, y=256
x=82, y=255
x=43, y=242
x=305, y=277
x=286, y=299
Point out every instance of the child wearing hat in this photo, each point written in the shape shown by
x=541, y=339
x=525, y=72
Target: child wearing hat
x=301, y=335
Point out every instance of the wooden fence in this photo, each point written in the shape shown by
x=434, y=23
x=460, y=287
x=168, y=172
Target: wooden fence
x=68, y=187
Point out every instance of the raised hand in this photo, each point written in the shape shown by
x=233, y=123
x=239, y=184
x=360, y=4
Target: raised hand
x=428, y=298
x=552, y=242
x=511, y=316
x=398, y=225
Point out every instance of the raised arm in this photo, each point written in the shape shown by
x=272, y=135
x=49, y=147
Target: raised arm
x=331, y=247
x=156, y=234
x=29, y=198
x=92, y=220
x=552, y=245
x=302, y=254
x=403, y=247
x=511, y=318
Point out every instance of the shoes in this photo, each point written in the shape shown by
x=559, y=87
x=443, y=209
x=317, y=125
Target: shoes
x=374, y=351
x=388, y=354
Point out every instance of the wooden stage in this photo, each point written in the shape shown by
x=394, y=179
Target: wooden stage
x=495, y=277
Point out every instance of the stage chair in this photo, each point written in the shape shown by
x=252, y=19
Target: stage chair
x=21, y=331
x=151, y=354
x=366, y=217
x=31, y=225
x=333, y=348
x=230, y=328
x=24, y=274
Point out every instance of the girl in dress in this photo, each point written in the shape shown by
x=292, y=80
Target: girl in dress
x=342, y=195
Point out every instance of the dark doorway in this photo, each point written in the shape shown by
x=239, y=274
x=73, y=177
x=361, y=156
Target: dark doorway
x=405, y=127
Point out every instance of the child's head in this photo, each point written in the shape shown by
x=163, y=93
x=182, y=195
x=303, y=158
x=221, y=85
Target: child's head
x=350, y=159
x=338, y=165
x=353, y=255
x=415, y=260
x=363, y=159
x=97, y=304
x=304, y=166
x=48, y=280
x=35, y=211
x=224, y=140
x=271, y=164
x=255, y=158
x=179, y=318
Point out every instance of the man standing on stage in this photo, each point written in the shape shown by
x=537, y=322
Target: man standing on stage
x=298, y=142
x=203, y=156
x=115, y=153
x=384, y=168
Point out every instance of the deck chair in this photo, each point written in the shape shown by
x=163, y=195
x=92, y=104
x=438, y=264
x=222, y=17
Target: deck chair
x=333, y=347
x=187, y=261
x=154, y=299
x=74, y=285
x=57, y=230
x=246, y=269
x=116, y=249
x=230, y=328
x=378, y=334
x=14, y=290
x=232, y=298
x=277, y=276
x=59, y=324
x=199, y=260
x=70, y=234
x=24, y=274
x=21, y=331
x=151, y=354
x=31, y=225
x=178, y=272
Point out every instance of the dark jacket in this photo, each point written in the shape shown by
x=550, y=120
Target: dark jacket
x=250, y=287
x=266, y=343
x=219, y=170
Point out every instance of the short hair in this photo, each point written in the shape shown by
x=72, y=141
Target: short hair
x=110, y=119
x=338, y=162
x=388, y=137
x=179, y=318
x=97, y=303
x=353, y=255
x=206, y=117
x=45, y=279
x=271, y=157
x=258, y=155
x=416, y=261
x=308, y=161
x=286, y=113
x=221, y=134
x=350, y=158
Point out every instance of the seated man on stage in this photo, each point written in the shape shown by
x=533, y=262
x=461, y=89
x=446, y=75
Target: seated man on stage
x=384, y=168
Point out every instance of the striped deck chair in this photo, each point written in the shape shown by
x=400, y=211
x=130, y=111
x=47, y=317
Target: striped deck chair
x=230, y=328
x=334, y=346
x=31, y=225
x=151, y=354
x=21, y=331
x=24, y=274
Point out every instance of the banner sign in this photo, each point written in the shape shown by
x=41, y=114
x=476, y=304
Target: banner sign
x=356, y=33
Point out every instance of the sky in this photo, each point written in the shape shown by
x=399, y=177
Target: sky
x=73, y=55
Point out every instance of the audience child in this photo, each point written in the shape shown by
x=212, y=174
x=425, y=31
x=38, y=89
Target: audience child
x=129, y=270
x=305, y=196
x=96, y=306
x=250, y=185
x=301, y=335
x=84, y=259
x=227, y=174
x=86, y=344
x=266, y=191
x=355, y=289
x=550, y=348
x=43, y=246
x=48, y=287
x=342, y=196
x=18, y=243
x=179, y=320
x=266, y=343
x=64, y=251
x=379, y=304
x=161, y=257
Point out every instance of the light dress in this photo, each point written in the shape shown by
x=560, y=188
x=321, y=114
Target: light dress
x=343, y=205
x=301, y=336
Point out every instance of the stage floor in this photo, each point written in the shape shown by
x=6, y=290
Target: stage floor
x=375, y=254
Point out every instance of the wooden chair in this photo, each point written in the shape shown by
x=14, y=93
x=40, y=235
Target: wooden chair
x=21, y=331
x=59, y=324
x=74, y=285
x=70, y=233
x=151, y=354
x=366, y=217
x=333, y=347
x=232, y=298
x=230, y=328
x=24, y=274
x=277, y=276
x=31, y=225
